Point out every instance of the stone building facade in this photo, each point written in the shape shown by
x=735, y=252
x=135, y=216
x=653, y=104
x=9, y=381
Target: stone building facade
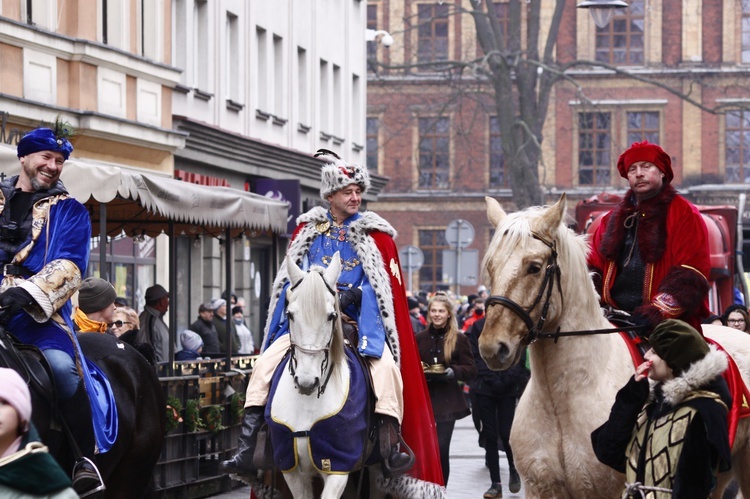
x=435, y=134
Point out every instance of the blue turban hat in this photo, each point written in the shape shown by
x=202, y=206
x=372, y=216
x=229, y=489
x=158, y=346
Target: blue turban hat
x=44, y=139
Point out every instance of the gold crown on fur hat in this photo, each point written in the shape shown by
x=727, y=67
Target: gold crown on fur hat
x=338, y=174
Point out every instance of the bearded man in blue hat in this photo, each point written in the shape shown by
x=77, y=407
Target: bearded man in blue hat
x=44, y=250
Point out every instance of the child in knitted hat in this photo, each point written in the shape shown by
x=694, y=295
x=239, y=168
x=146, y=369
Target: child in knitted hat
x=192, y=346
x=26, y=468
x=670, y=430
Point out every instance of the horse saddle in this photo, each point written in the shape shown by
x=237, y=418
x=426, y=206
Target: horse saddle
x=340, y=442
x=32, y=365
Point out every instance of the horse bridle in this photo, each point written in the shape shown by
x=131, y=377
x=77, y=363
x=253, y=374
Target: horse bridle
x=551, y=275
x=293, y=347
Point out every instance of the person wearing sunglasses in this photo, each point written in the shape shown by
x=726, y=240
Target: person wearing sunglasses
x=125, y=323
x=125, y=327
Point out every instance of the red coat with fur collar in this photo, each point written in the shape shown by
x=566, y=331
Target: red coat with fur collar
x=673, y=242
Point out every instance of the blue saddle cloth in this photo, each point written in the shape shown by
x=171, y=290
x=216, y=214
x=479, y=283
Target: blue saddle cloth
x=336, y=440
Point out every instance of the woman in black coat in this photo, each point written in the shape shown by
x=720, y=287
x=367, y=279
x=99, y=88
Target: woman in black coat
x=443, y=345
x=495, y=394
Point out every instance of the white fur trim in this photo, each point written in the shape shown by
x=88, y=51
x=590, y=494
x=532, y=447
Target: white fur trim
x=372, y=264
x=697, y=375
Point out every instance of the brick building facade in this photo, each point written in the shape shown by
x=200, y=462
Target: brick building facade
x=435, y=133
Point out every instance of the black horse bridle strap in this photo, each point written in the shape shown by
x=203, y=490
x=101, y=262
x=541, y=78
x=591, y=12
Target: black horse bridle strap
x=551, y=273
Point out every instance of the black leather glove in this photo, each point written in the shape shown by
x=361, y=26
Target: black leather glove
x=352, y=296
x=13, y=300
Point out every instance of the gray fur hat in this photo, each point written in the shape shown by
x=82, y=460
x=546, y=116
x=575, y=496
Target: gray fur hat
x=338, y=174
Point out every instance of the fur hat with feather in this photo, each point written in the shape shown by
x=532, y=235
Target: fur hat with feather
x=337, y=174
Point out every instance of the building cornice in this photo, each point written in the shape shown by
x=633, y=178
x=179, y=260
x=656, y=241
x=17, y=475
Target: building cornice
x=77, y=49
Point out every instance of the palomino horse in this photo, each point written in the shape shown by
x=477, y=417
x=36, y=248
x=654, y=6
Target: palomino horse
x=127, y=468
x=540, y=284
x=312, y=425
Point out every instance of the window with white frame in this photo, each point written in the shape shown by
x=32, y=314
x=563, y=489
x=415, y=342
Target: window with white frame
x=594, y=148
x=279, y=84
x=643, y=125
x=261, y=43
x=737, y=146
x=338, y=100
x=201, y=47
x=180, y=46
x=745, y=31
x=303, y=97
x=325, y=99
x=150, y=39
x=233, y=66
x=114, y=23
x=434, y=153
x=41, y=13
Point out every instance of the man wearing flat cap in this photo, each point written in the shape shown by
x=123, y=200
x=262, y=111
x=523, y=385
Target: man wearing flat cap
x=154, y=331
x=204, y=326
x=44, y=251
x=96, y=306
x=670, y=430
x=650, y=254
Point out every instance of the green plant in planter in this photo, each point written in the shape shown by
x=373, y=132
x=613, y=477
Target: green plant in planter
x=237, y=407
x=174, y=411
x=193, y=419
x=212, y=416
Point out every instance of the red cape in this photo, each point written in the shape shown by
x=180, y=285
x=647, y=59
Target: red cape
x=418, y=426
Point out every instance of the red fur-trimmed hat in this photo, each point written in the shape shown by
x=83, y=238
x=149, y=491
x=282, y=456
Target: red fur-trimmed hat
x=646, y=151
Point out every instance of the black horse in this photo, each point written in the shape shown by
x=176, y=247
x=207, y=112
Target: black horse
x=127, y=468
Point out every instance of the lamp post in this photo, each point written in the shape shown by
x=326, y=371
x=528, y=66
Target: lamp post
x=602, y=10
x=379, y=35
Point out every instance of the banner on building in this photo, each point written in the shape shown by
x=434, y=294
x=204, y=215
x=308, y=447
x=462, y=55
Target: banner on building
x=283, y=190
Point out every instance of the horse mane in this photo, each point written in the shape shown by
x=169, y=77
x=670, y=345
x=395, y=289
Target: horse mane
x=516, y=230
x=312, y=294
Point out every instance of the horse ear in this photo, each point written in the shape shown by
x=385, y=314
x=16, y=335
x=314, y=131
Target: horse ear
x=495, y=212
x=554, y=216
x=334, y=269
x=295, y=273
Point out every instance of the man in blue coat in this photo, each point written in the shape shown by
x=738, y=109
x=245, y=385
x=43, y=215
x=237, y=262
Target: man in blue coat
x=44, y=251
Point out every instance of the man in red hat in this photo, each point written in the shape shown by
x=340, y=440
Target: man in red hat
x=650, y=254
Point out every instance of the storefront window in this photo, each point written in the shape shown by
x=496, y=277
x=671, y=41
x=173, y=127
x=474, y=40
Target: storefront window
x=130, y=266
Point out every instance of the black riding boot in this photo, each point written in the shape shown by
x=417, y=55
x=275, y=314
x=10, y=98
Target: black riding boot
x=76, y=413
x=395, y=462
x=242, y=462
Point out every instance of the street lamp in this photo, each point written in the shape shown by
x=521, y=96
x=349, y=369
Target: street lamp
x=602, y=10
x=380, y=35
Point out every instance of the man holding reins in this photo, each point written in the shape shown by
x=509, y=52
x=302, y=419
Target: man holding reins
x=650, y=254
x=373, y=296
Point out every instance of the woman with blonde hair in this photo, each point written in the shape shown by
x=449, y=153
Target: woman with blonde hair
x=447, y=359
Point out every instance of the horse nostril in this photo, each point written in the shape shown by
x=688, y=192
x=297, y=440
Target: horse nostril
x=503, y=351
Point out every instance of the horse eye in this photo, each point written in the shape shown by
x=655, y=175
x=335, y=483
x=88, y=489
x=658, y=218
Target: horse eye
x=534, y=268
x=332, y=316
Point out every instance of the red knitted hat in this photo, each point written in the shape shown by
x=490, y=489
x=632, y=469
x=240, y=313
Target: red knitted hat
x=646, y=151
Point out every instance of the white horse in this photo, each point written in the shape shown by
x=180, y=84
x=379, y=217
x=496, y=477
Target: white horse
x=315, y=383
x=540, y=283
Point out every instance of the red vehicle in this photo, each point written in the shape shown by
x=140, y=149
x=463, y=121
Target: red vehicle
x=726, y=268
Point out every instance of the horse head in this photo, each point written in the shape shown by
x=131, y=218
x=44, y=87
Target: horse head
x=522, y=269
x=314, y=324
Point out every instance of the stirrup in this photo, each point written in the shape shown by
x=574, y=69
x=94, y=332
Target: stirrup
x=97, y=488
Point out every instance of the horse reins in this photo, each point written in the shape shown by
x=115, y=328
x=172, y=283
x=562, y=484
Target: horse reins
x=293, y=347
x=551, y=277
